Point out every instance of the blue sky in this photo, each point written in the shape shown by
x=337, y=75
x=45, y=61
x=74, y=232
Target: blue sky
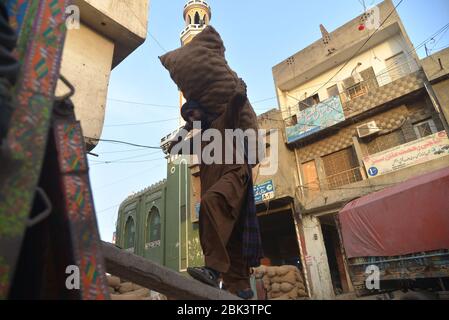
x=258, y=34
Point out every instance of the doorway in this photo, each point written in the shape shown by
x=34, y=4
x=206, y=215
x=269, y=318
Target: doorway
x=334, y=255
x=279, y=239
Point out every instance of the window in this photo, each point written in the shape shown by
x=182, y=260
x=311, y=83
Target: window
x=386, y=142
x=398, y=66
x=309, y=102
x=295, y=119
x=311, y=181
x=341, y=168
x=153, y=226
x=333, y=91
x=425, y=128
x=130, y=233
x=357, y=90
x=197, y=18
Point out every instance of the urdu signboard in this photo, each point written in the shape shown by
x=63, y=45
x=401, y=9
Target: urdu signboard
x=407, y=155
x=264, y=192
x=316, y=118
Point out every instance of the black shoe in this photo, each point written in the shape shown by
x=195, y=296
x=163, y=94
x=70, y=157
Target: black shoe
x=205, y=275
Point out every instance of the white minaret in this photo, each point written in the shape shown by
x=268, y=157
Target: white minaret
x=197, y=15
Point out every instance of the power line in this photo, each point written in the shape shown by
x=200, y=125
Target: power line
x=137, y=149
x=126, y=178
x=143, y=103
x=140, y=123
x=157, y=42
x=123, y=142
x=126, y=162
x=133, y=157
x=107, y=209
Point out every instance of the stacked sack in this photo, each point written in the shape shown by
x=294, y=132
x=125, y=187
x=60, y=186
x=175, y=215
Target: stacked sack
x=123, y=290
x=282, y=283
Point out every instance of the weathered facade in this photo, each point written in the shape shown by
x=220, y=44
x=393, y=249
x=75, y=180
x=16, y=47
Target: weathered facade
x=110, y=30
x=372, y=125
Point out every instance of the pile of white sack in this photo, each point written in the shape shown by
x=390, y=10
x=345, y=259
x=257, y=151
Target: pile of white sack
x=124, y=290
x=282, y=283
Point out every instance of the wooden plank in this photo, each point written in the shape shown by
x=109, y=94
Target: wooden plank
x=158, y=278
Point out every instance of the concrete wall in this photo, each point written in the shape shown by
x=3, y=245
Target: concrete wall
x=436, y=68
x=286, y=178
x=86, y=63
x=131, y=14
x=123, y=21
x=316, y=261
x=110, y=31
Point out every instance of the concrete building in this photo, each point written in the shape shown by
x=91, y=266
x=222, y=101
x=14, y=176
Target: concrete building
x=277, y=205
x=358, y=118
x=110, y=30
x=436, y=68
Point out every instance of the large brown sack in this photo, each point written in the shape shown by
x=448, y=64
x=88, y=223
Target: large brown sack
x=287, y=287
x=126, y=287
x=290, y=277
x=113, y=282
x=276, y=287
x=202, y=73
x=126, y=297
x=140, y=293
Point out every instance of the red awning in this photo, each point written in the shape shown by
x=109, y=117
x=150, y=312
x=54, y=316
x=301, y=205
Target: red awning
x=410, y=217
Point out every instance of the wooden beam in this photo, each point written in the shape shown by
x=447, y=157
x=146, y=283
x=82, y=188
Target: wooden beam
x=158, y=278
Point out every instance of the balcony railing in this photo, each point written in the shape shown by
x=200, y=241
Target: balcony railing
x=357, y=90
x=343, y=178
x=334, y=182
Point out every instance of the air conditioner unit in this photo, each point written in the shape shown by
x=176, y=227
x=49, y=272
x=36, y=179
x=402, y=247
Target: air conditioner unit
x=368, y=129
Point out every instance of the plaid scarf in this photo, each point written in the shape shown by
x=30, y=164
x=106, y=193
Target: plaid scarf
x=252, y=243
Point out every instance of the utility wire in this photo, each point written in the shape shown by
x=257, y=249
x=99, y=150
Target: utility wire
x=143, y=103
x=157, y=42
x=140, y=123
x=123, y=142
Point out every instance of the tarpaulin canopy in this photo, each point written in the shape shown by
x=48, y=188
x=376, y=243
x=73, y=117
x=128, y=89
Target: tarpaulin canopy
x=410, y=217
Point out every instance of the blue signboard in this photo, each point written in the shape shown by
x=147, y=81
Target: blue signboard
x=323, y=115
x=373, y=171
x=264, y=191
